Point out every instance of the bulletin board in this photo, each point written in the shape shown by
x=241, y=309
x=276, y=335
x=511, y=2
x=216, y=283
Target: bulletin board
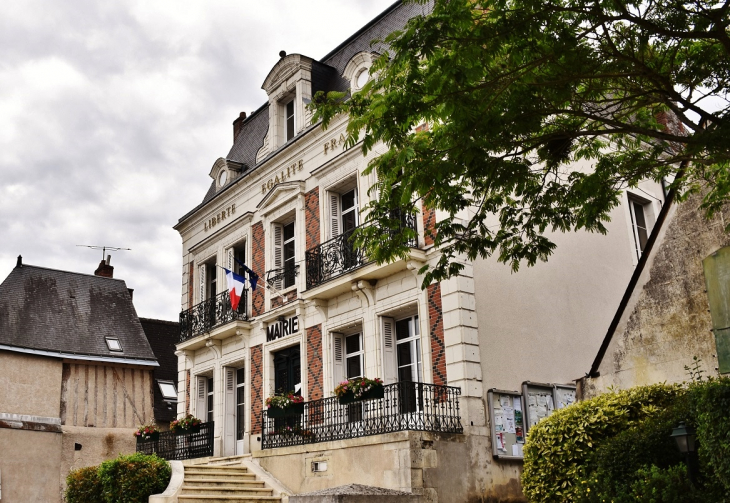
x=539, y=402
x=507, y=423
x=564, y=395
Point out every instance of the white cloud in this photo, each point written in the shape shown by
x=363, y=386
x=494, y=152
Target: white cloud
x=112, y=113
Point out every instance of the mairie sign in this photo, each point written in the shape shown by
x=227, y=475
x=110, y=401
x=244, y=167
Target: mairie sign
x=282, y=328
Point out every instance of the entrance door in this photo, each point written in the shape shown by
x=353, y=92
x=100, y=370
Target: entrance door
x=287, y=370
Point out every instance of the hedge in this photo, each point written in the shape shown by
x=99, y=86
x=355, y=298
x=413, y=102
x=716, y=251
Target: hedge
x=126, y=479
x=560, y=450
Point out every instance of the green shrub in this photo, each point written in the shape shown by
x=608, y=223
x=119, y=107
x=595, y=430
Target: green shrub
x=664, y=485
x=133, y=478
x=83, y=485
x=711, y=403
x=560, y=450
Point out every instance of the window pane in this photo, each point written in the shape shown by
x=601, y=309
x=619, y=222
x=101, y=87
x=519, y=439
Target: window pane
x=354, y=368
x=401, y=329
x=240, y=376
x=349, y=221
x=289, y=231
x=352, y=343
x=240, y=421
x=405, y=374
x=404, y=354
x=348, y=200
x=168, y=390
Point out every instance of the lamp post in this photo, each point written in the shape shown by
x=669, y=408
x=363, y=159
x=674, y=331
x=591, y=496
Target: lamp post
x=685, y=438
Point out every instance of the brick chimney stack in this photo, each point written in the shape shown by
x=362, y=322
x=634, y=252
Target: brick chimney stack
x=105, y=269
x=237, y=124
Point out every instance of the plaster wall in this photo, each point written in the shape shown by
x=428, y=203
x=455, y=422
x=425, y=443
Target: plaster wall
x=96, y=445
x=32, y=476
x=545, y=323
x=667, y=320
x=29, y=384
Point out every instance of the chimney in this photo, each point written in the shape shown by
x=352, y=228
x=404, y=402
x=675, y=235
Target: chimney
x=20, y=261
x=131, y=292
x=104, y=268
x=237, y=124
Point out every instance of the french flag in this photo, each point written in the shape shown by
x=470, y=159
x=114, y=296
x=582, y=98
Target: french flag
x=235, y=287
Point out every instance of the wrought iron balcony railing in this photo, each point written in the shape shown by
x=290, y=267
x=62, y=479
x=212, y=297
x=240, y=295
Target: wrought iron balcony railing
x=404, y=406
x=210, y=314
x=339, y=255
x=179, y=446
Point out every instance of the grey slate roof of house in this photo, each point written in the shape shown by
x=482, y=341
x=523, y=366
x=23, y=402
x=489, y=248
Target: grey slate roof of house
x=326, y=76
x=162, y=336
x=66, y=313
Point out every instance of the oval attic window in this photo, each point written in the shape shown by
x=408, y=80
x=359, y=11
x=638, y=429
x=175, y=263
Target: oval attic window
x=222, y=178
x=362, y=78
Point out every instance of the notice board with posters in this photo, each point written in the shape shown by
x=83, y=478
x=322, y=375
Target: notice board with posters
x=507, y=423
x=541, y=400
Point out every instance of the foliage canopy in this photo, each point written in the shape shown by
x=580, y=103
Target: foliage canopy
x=515, y=93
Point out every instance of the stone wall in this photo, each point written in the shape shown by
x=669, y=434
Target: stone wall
x=667, y=321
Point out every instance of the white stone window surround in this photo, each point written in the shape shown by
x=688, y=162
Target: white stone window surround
x=284, y=204
x=289, y=79
x=358, y=69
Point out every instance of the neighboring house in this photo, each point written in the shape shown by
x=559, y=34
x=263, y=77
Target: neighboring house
x=676, y=307
x=284, y=202
x=75, y=379
x=162, y=336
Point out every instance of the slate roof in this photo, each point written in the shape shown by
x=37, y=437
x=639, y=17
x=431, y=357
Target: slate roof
x=162, y=335
x=65, y=313
x=326, y=76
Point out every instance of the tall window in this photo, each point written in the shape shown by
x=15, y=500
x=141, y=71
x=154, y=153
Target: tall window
x=353, y=355
x=290, y=120
x=408, y=349
x=210, y=400
x=639, y=223
x=211, y=287
x=240, y=403
x=284, y=255
x=343, y=212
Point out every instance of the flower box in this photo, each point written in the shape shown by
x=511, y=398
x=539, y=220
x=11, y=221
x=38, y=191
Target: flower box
x=346, y=397
x=151, y=437
x=295, y=409
x=374, y=393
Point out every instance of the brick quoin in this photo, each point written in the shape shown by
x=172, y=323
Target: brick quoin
x=257, y=384
x=436, y=328
x=429, y=225
x=258, y=265
x=190, y=284
x=187, y=392
x=314, y=362
x=277, y=301
x=311, y=217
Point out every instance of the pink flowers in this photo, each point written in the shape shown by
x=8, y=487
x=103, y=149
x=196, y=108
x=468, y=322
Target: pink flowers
x=283, y=400
x=357, y=386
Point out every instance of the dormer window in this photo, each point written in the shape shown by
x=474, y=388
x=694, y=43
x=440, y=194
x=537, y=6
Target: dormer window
x=289, y=120
x=357, y=71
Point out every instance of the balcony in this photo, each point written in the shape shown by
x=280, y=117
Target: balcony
x=339, y=256
x=179, y=446
x=405, y=406
x=210, y=314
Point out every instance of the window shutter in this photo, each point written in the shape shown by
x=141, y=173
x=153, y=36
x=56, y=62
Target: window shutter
x=229, y=440
x=201, y=276
x=335, y=214
x=201, y=409
x=338, y=358
x=389, y=362
x=278, y=253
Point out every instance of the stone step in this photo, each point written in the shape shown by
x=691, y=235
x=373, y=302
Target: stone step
x=203, y=479
x=215, y=468
x=199, y=498
x=227, y=491
x=226, y=484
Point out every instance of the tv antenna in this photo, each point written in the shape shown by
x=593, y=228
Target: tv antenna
x=104, y=249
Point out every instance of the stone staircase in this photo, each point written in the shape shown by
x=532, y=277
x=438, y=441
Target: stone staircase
x=224, y=480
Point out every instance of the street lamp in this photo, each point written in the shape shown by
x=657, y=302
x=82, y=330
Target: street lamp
x=685, y=438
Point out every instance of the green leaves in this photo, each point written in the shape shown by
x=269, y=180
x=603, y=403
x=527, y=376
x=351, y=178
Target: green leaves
x=515, y=92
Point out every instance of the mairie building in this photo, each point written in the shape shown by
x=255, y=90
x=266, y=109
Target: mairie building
x=469, y=364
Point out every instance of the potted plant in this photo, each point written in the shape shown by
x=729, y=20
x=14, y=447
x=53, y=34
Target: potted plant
x=285, y=404
x=186, y=424
x=147, y=433
x=359, y=388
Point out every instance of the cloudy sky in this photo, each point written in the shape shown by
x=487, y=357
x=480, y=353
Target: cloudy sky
x=112, y=114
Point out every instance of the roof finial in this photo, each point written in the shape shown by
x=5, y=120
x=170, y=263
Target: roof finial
x=282, y=54
x=20, y=261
